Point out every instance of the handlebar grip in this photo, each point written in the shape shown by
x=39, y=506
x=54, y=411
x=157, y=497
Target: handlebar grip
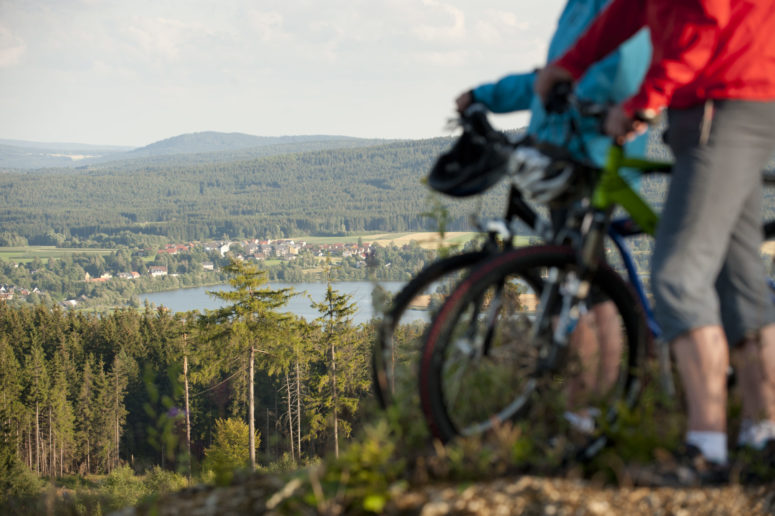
x=557, y=100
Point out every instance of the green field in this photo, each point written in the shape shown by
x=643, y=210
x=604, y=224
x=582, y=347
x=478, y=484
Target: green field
x=44, y=252
x=383, y=238
x=350, y=239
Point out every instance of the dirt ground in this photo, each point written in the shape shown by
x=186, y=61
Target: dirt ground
x=528, y=495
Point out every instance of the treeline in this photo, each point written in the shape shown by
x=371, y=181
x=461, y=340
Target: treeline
x=332, y=192
x=326, y=192
x=81, y=393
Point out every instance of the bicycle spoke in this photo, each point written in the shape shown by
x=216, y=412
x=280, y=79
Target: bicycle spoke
x=496, y=358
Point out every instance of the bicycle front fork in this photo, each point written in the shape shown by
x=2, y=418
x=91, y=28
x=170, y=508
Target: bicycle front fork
x=564, y=303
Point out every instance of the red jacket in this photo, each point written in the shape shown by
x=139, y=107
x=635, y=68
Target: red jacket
x=719, y=49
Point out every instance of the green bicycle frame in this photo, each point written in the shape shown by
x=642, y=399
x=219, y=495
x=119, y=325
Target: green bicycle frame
x=612, y=189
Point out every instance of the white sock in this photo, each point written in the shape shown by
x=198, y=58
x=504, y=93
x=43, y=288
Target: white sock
x=583, y=420
x=756, y=435
x=713, y=445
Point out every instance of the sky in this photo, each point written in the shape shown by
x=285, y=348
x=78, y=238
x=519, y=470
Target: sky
x=134, y=72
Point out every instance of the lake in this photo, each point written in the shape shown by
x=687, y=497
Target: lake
x=186, y=299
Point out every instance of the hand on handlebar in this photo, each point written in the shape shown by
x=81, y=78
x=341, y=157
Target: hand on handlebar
x=464, y=101
x=621, y=126
x=547, y=77
x=618, y=124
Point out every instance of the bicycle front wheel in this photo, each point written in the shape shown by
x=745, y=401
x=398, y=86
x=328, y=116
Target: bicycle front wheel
x=490, y=354
x=396, y=350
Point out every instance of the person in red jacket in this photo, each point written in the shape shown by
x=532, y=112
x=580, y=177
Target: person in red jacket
x=713, y=68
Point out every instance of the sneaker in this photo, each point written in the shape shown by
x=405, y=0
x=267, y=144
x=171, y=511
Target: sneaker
x=756, y=435
x=688, y=468
x=754, y=466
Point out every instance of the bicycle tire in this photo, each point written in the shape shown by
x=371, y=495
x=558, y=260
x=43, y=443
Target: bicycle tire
x=489, y=403
x=769, y=236
x=383, y=356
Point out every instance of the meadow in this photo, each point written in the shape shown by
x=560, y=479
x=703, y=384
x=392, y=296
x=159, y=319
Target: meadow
x=25, y=254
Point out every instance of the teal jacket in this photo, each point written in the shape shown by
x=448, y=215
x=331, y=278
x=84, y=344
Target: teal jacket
x=611, y=80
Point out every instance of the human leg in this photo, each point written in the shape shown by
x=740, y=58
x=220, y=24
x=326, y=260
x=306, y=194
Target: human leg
x=702, y=358
x=755, y=363
x=703, y=206
x=609, y=337
x=748, y=315
x=597, y=342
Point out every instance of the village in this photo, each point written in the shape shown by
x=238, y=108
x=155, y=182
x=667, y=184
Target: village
x=158, y=263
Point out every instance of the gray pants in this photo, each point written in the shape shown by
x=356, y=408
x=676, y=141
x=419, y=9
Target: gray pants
x=706, y=268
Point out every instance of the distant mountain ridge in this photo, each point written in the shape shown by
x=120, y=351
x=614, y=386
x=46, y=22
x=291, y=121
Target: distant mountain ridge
x=64, y=146
x=17, y=154
x=200, y=147
x=212, y=141
x=201, y=196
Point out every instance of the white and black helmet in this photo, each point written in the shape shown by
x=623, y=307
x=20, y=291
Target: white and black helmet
x=548, y=175
x=476, y=161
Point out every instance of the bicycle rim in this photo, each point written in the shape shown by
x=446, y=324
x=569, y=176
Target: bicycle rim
x=768, y=254
x=396, y=350
x=485, y=361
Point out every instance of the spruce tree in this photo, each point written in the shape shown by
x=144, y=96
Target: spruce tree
x=63, y=417
x=248, y=323
x=85, y=413
x=346, y=367
x=37, y=395
x=117, y=382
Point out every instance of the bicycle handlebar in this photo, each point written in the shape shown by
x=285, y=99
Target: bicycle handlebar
x=561, y=97
x=474, y=119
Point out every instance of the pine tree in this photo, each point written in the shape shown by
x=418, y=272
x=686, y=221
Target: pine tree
x=84, y=413
x=345, y=374
x=10, y=409
x=37, y=394
x=249, y=323
x=101, y=427
x=63, y=418
x=291, y=362
x=187, y=352
x=117, y=384
x=10, y=381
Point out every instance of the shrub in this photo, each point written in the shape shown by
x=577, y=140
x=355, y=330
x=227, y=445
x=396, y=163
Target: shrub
x=229, y=451
x=159, y=481
x=123, y=488
x=285, y=464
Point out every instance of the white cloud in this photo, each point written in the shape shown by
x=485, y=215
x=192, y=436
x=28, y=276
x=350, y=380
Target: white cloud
x=498, y=27
x=268, y=25
x=165, y=37
x=449, y=59
x=389, y=68
x=450, y=23
x=12, y=48
x=508, y=19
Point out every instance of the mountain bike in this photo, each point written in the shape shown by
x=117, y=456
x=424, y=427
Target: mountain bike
x=499, y=348
x=484, y=151
x=476, y=162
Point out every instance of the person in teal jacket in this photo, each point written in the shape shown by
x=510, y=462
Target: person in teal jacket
x=610, y=81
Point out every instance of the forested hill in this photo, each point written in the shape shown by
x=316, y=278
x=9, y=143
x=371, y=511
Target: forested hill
x=180, y=197
x=321, y=192
x=202, y=147
x=210, y=141
x=16, y=154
